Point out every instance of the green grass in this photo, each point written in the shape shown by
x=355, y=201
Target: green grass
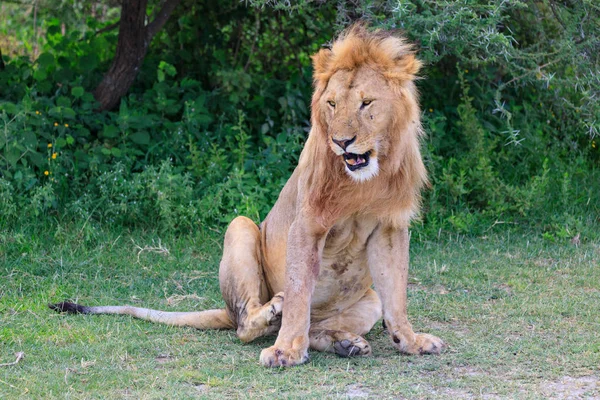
x=520, y=315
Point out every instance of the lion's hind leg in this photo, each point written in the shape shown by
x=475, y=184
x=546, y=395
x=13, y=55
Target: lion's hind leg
x=342, y=333
x=243, y=284
x=260, y=320
x=342, y=343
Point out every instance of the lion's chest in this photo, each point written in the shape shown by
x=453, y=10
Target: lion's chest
x=344, y=274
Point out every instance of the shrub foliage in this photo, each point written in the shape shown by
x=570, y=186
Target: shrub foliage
x=217, y=116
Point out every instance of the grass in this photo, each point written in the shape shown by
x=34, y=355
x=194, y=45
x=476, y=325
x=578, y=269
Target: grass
x=520, y=315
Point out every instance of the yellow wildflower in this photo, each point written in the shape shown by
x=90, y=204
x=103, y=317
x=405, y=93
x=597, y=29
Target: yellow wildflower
x=38, y=113
x=431, y=110
x=54, y=155
x=46, y=173
x=466, y=71
x=56, y=124
x=49, y=145
x=66, y=125
x=594, y=144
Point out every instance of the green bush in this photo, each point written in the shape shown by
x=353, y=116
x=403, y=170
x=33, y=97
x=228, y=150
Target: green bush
x=216, y=119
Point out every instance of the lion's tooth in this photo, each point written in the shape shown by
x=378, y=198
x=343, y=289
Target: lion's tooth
x=351, y=161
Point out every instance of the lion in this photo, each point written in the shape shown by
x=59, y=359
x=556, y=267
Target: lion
x=340, y=223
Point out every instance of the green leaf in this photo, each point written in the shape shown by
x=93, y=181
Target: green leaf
x=45, y=60
x=77, y=91
x=199, y=103
x=30, y=139
x=68, y=113
x=282, y=138
x=64, y=75
x=168, y=68
x=9, y=107
x=110, y=131
x=40, y=75
x=204, y=119
x=140, y=121
x=116, y=152
x=80, y=155
x=88, y=62
x=36, y=158
x=55, y=112
x=63, y=101
x=44, y=86
x=141, y=137
x=106, y=152
x=70, y=140
x=88, y=97
x=12, y=156
x=83, y=132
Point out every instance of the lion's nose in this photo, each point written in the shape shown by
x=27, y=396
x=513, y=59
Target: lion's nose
x=344, y=143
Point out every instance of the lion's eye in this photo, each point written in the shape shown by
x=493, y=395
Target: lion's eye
x=366, y=102
x=331, y=103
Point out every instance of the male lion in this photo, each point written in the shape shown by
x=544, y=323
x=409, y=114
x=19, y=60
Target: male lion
x=340, y=223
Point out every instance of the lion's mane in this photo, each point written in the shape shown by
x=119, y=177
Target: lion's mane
x=395, y=191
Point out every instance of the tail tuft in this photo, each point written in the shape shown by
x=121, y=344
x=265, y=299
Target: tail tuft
x=70, y=308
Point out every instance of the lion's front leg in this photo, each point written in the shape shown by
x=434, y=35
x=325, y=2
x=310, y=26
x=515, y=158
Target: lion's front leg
x=303, y=259
x=388, y=259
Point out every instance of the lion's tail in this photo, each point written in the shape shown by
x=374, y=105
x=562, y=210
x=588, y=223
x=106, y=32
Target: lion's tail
x=208, y=319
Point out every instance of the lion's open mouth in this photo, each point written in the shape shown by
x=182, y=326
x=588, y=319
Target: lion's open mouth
x=356, y=161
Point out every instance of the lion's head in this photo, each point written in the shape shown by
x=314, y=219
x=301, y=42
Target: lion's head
x=364, y=98
x=363, y=151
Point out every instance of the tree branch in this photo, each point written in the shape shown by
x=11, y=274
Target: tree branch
x=552, y=7
x=539, y=68
x=108, y=28
x=257, y=28
x=163, y=15
x=105, y=29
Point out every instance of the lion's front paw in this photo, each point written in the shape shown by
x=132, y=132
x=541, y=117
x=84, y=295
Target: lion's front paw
x=423, y=344
x=275, y=356
x=428, y=344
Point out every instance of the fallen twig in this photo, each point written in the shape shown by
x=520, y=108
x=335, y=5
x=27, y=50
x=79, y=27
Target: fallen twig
x=160, y=249
x=20, y=355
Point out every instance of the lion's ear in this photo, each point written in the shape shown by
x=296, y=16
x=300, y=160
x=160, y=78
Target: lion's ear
x=410, y=64
x=321, y=61
x=406, y=67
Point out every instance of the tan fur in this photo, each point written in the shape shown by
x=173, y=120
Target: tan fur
x=334, y=232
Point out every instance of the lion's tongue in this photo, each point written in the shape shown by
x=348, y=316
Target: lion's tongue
x=356, y=161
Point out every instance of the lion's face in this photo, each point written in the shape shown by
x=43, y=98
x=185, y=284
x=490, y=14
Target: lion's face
x=358, y=110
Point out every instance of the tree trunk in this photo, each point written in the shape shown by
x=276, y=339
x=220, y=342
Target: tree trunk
x=132, y=45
